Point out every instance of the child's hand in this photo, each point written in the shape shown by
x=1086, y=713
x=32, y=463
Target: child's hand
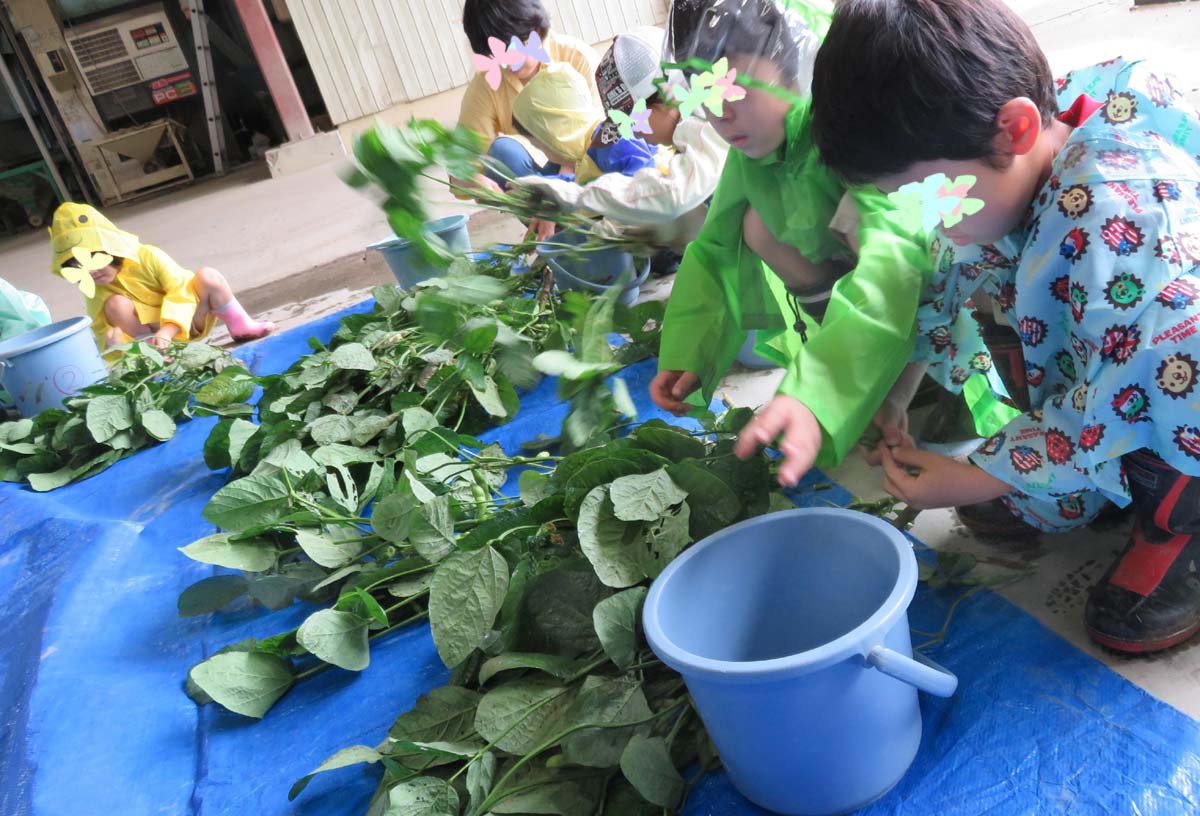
x=670, y=388
x=791, y=418
x=925, y=480
x=114, y=337
x=163, y=338
x=892, y=421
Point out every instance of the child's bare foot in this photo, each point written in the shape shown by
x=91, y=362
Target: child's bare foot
x=254, y=330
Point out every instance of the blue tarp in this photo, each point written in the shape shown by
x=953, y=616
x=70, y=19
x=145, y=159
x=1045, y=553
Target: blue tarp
x=94, y=719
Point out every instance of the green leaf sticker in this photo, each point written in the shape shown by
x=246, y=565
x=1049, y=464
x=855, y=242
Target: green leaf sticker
x=936, y=200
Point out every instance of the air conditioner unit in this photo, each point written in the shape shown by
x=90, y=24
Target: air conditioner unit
x=125, y=49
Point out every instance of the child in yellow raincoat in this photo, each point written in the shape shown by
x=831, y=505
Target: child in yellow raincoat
x=135, y=290
x=559, y=114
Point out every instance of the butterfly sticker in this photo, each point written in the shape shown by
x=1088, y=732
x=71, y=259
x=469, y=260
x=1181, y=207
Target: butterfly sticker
x=81, y=275
x=936, y=200
x=711, y=90
x=531, y=48
x=637, y=121
x=501, y=58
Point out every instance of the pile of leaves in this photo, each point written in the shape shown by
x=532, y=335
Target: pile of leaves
x=140, y=404
x=533, y=600
x=458, y=347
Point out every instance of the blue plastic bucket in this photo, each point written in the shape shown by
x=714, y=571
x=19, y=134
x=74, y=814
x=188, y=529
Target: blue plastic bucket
x=594, y=270
x=41, y=368
x=791, y=631
x=405, y=261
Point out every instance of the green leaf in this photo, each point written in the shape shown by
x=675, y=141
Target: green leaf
x=481, y=775
x=249, y=502
x=220, y=550
x=233, y=384
x=366, y=428
x=225, y=444
x=644, y=497
x=622, y=399
x=331, y=429
x=445, y=714
x=616, y=621
x=713, y=504
x=608, y=703
x=479, y=336
x=211, y=594
x=354, y=755
x=646, y=763
x=610, y=544
x=363, y=604
x=519, y=715
x=597, y=324
x=603, y=468
x=291, y=456
x=464, y=598
x=489, y=399
x=322, y=548
x=533, y=486
x=416, y=421
x=336, y=637
x=432, y=530
x=556, y=616
x=423, y=796
x=393, y=516
x=734, y=420
x=669, y=443
x=243, y=682
x=45, y=482
x=353, y=357
x=107, y=416
x=553, y=665
x=665, y=539
x=478, y=290
x=337, y=454
x=551, y=791
x=159, y=425
x=564, y=364
x=195, y=356
x=16, y=431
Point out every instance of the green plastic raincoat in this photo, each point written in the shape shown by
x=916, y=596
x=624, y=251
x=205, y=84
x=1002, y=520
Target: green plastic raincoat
x=723, y=290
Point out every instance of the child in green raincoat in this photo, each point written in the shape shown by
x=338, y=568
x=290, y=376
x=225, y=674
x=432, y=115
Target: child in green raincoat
x=135, y=290
x=766, y=260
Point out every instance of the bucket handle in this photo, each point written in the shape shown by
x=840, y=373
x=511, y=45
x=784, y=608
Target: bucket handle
x=917, y=671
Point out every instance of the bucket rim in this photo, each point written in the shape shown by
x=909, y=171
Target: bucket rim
x=447, y=223
x=15, y=346
x=858, y=641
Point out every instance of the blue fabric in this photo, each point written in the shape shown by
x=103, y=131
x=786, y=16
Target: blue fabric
x=516, y=159
x=94, y=719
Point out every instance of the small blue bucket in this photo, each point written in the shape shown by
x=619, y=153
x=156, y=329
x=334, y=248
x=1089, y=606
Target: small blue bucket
x=594, y=271
x=791, y=631
x=42, y=368
x=405, y=261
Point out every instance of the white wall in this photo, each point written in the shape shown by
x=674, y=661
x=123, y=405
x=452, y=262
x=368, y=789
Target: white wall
x=369, y=55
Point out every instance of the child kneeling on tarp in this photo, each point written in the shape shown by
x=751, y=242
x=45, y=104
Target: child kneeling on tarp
x=136, y=290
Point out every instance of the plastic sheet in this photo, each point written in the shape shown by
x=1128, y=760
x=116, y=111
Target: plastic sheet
x=94, y=719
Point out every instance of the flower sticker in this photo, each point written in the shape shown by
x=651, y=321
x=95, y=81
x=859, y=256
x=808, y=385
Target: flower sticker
x=711, y=90
x=636, y=121
x=936, y=200
x=501, y=57
x=81, y=275
x=532, y=48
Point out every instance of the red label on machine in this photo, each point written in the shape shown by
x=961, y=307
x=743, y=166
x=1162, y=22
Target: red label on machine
x=168, y=89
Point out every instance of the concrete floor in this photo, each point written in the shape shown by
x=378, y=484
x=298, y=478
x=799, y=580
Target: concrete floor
x=294, y=249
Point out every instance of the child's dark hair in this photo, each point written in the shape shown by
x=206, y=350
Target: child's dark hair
x=707, y=31
x=902, y=81
x=503, y=19
x=521, y=129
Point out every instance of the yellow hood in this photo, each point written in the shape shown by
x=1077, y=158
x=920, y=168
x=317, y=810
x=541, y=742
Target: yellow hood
x=558, y=109
x=83, y=226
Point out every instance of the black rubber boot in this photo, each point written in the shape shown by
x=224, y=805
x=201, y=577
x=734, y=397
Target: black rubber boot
x=1149, y=599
